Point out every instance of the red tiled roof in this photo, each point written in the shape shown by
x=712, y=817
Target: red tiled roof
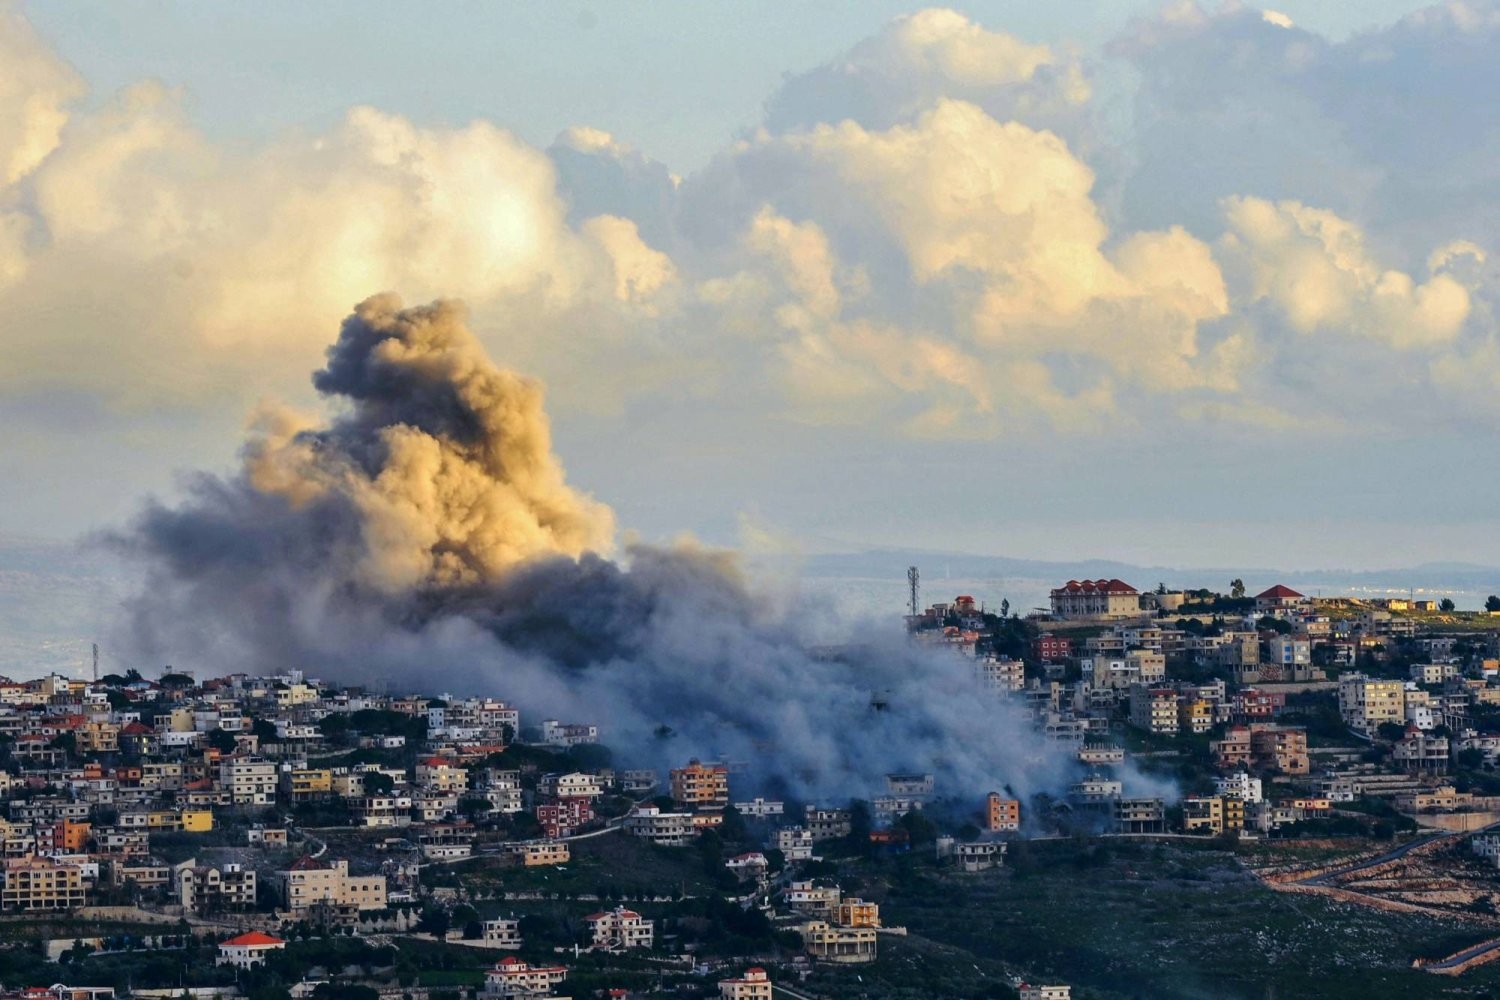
x=254, y=938
x=1098, y=587
x=1278, y=593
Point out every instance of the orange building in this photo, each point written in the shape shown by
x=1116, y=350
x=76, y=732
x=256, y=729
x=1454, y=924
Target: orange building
x=1002, y=813
x=701, y=786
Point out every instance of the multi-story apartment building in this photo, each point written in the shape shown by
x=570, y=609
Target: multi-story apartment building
x=571, y=786
x=439, y=774
x=669, y=829
x=701, y=786
x=210, y=889
x=1154, y=709
x=1096, y=599
x=811, y=898
x=38, y=883
x=1002, y=814
x=795, y=843
x=1140, y=815
x=842, y=945
x=1000, y=675
x=827, y=824
x=1280, y=748
x=248, y=780
x=855, y=912
x=312, y=882
x=1365, y=703
x=564, y=817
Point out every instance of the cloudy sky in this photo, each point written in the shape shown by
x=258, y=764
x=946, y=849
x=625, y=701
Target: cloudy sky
x=1174, y=283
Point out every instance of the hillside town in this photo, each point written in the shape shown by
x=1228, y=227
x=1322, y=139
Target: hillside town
x=284, y=836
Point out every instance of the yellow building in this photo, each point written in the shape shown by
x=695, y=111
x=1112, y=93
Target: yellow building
x=41, y=884
x=197, y=820
x=843, y=945
x=856, y=912
x=1195, y=715
x=1203, y=814
x=310, y=783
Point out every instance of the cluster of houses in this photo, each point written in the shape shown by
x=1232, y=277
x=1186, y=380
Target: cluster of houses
x=1109, y=656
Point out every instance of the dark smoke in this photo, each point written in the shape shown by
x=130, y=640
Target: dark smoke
x=425, y=539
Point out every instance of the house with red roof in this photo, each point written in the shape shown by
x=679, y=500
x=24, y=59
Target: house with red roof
x=1096, y=599
x=1280, y=598
x=248, y=950
x=753, y=985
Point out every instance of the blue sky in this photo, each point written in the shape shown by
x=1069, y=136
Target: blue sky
x=1171, y=283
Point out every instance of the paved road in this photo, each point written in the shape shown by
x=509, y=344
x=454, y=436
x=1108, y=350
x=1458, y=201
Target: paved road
x=1381, y=859
x=1453, y=961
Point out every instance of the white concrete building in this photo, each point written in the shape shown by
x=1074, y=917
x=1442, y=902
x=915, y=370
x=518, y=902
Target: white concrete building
x=619, y=929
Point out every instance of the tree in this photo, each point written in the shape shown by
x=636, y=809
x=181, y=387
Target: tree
x=221, y=740
x=434, y=921
x=379, y=783
x=732, y=826
x=1446, y=604
x=1492, y=603
x=1236, y=588
x=1004, y=607
x=1391, y=731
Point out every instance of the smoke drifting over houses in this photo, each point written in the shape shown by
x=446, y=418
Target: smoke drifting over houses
x=425, y=537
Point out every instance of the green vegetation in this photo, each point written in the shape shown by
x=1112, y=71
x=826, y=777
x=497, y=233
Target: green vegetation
x=1129, y=919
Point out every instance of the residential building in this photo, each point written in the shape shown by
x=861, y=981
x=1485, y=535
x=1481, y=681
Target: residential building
x=206, y=889
x=1029, y=992
x=248, y=780
x=668, y=829
x=1419, y=751
x=539, y=853
x=753, y=985
x=503, y=933
x=795, y=843
x=701, y=786
x=313, y=882
x=248, y=950
x=1000, y=675
x=37, y=883
x=979, y=856
x=513, y=978
x=1154, y=709
x=827, y=824
x=1096, y=599
x=619, y=929
x=1140, y=815
x=1240, y=786
x=1280, y=748
x=842, y=945
x=1280, y=599
x=1002, y=814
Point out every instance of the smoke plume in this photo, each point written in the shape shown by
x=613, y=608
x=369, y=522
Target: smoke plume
x=425, y=539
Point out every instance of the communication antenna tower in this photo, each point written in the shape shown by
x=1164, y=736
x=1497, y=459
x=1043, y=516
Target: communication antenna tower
x=914, y=578
x=96, y=663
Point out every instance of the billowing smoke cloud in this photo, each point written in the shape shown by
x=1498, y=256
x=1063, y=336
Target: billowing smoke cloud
x=425, y=539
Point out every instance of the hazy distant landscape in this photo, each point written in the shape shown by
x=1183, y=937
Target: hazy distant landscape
x=58, y=598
